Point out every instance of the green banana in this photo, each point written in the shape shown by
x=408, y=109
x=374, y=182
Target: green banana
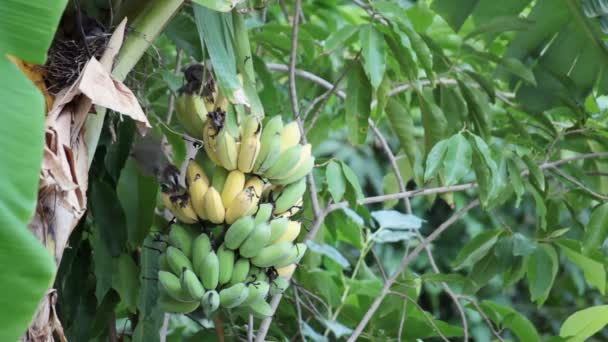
x=287, y=160
x=261, y=309
x=295, y=255
x=270, y=144
x=292, y=232
x=278, y=227
x=273, y=254
x=181, y=238
x=289, y=196
x=255, y=241
x=191, y=285
x=225, y=257
x=278, y=286
x=301, y=171
x=200, y=248
x=177, y=260
x=171, y=285
x=210, y=302
x=290, y=135
x=238, y=232
x=257, y=290
x=256, y=274
x=163, y=264
x=191, y=113
x=233, y=296
x=240, y=271
x=210, y=271
x=264, y=213
x=227, y=150
x=286, y=271
x=168, y=304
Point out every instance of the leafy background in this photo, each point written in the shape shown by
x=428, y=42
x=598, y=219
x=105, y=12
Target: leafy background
x=461, y=91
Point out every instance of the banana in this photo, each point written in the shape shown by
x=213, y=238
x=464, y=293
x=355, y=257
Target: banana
x=240, y=271
x=293, y=210
x=261, y=309
x=210, y=271
x=168, y=304
x=210, y=133
x=295, y=255
x=214, y=209
x=233, y=296
x=273, y=254
x=210, y=302
x=243, y=203
x=180, y=238
x=287, y=160
x=163, y=264
x=225, y=257
x=200, y=248
x=171, y=285
x=255, y=241
x=177, y=260
x=278, y=227
x=248, y=152
x=264, y=213
x=184, y=207
x=302, y=171
x=227, y=150
x=286, y=271
x=191, y=113
x=291, y=233
x=194, y=172
x=278, y=286
x=289, y=196
x=197, y=190
x=290, y=135
x=251, y=127
x=257, y=183
x=238, y=232
x=170, y=202
x=191, y=285
x=257, y=291
x=219, y=178
x=256, y=274
x=270, y=144
x=235, y=182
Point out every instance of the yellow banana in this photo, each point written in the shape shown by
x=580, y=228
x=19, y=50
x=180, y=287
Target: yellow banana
x=241, y=205
x=184, y=206
x=210, y=133
x=235, y=182
x=195, y=172
x=290, y=135
x=227, y=150
x=286, y=271
x=248, y=152
x=214, y=209
x=292, y=232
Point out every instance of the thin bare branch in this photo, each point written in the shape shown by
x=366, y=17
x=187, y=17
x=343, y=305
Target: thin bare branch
x=164, y=329
x=299, y=311
x=250, y=328
x=579, y=184
x=483, y=315
x=428, y=317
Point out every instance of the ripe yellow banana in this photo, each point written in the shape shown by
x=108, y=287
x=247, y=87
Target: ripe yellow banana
x=248, y=152
x=227, y=150
x=195, y=172
x=210, y=133
x=171, y=202
x=184, y=207
x=291, y=233
x=290, y=135
x=286, y=271
x=214, y=209
x=242, y=203
x=191, y=113
x=235, y=182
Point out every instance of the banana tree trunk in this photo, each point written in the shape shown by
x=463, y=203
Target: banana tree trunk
x=71, y=139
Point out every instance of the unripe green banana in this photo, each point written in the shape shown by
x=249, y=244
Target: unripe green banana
x=240, y=271
x=289, y=196
x=238, y=232
x=191, y=113
x=219, y=178
x=287, y=271
x=295, y=255
x=210, y=271
x=256, y=274
x=278, y=286
x=227, y=150
x=290, y=135
x=257, y=290
x=261, y=309
x=278, y=227
x=305, y=155
x=287, y=160
x=264, y=213
x=191, y=285
x=200, y=248
x=292, y=232
x=293, y=210
x=255, y=241
x=272, y=254
x=233, y=296
x=299, y=172
x=235, y=182
x=168, y=304
x=171, y=285
x=181, y=238
x=214, y=209
x=210, y=302
x=177, y=260
x=225, y=257
x=269, y=151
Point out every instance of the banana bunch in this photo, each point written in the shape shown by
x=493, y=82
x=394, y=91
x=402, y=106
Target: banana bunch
x=252, y=260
